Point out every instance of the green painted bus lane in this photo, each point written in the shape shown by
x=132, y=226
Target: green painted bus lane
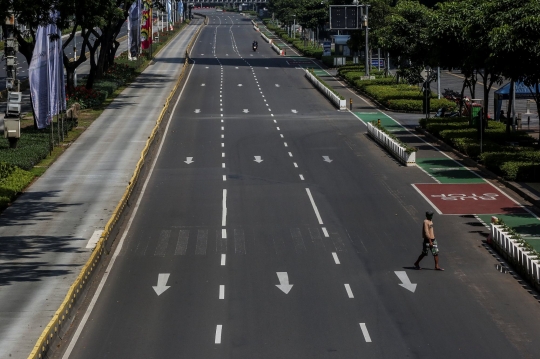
x=446, y=170
x=387, y=122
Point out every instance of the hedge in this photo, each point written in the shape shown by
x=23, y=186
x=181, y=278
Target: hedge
x=32, y=147
x=12, y=181
x=385, y=90
x=514, y=163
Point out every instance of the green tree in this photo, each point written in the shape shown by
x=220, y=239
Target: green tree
x=405, y=34
x=514, y=41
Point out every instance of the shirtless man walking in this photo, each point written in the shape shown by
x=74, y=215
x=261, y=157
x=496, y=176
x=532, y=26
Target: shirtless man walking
x=430, y=243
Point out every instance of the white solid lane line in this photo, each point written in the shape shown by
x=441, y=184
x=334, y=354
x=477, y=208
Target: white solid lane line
x=365, y=332
x=221, y=292
x=219, y=328
x=349, y=291
x=224, y=215
x=314, y=206
x=223, y=259
x=336, y=259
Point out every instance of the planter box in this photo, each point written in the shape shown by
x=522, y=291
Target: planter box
x=341, y=104
x=511, y=250
x=397, y=150
x=277, y=49
x=265, y=38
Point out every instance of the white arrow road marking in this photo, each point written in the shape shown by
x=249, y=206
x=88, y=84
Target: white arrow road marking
x=197, y=111
x=284, y=282
x=294, y=111
x=349, y=291
x=258, y=159
x=219, y=328
x=245, y=110
x=189, y=160
x=365, y=332
x=162, y=283
x=326, y=159
x=406, y=282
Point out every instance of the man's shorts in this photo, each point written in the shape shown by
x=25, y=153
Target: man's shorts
x=434, y=250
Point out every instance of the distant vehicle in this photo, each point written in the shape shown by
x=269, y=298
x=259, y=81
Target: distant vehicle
x=219, y=9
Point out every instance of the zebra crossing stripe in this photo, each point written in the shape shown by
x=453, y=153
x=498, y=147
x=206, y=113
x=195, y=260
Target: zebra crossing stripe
x=202, y=241
x=162, y=243
x=181, y=245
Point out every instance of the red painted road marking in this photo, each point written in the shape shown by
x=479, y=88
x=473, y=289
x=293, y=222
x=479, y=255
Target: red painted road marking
x=477, y=198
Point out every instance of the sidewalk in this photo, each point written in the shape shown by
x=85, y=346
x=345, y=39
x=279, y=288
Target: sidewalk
x=44, y=235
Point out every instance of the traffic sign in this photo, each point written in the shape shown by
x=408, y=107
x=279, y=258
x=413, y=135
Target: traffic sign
x=345, y=17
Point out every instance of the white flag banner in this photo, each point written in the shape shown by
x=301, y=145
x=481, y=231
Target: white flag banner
x=169, y=15
x=38, y=76
x=46, y=75
x=134, y=29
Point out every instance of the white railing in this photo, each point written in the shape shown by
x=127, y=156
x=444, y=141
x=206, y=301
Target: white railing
x=512, y=250
x=265, y=38
x=341, y=104
x=397, y=150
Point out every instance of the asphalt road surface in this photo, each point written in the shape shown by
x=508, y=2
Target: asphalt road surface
x=272, y=227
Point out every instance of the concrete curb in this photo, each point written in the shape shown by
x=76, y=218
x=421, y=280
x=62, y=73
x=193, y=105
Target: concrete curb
x=52, y=330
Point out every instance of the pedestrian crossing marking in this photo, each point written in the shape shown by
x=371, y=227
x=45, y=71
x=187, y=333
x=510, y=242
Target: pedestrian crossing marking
x=162, y=243
x=255, y=240
x=297, y=240
x=202, y=241
x=239, y=241
x=181, y=244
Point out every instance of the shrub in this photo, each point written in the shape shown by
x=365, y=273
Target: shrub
x=87, y=98
x=32, y=147
x=14, y=183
